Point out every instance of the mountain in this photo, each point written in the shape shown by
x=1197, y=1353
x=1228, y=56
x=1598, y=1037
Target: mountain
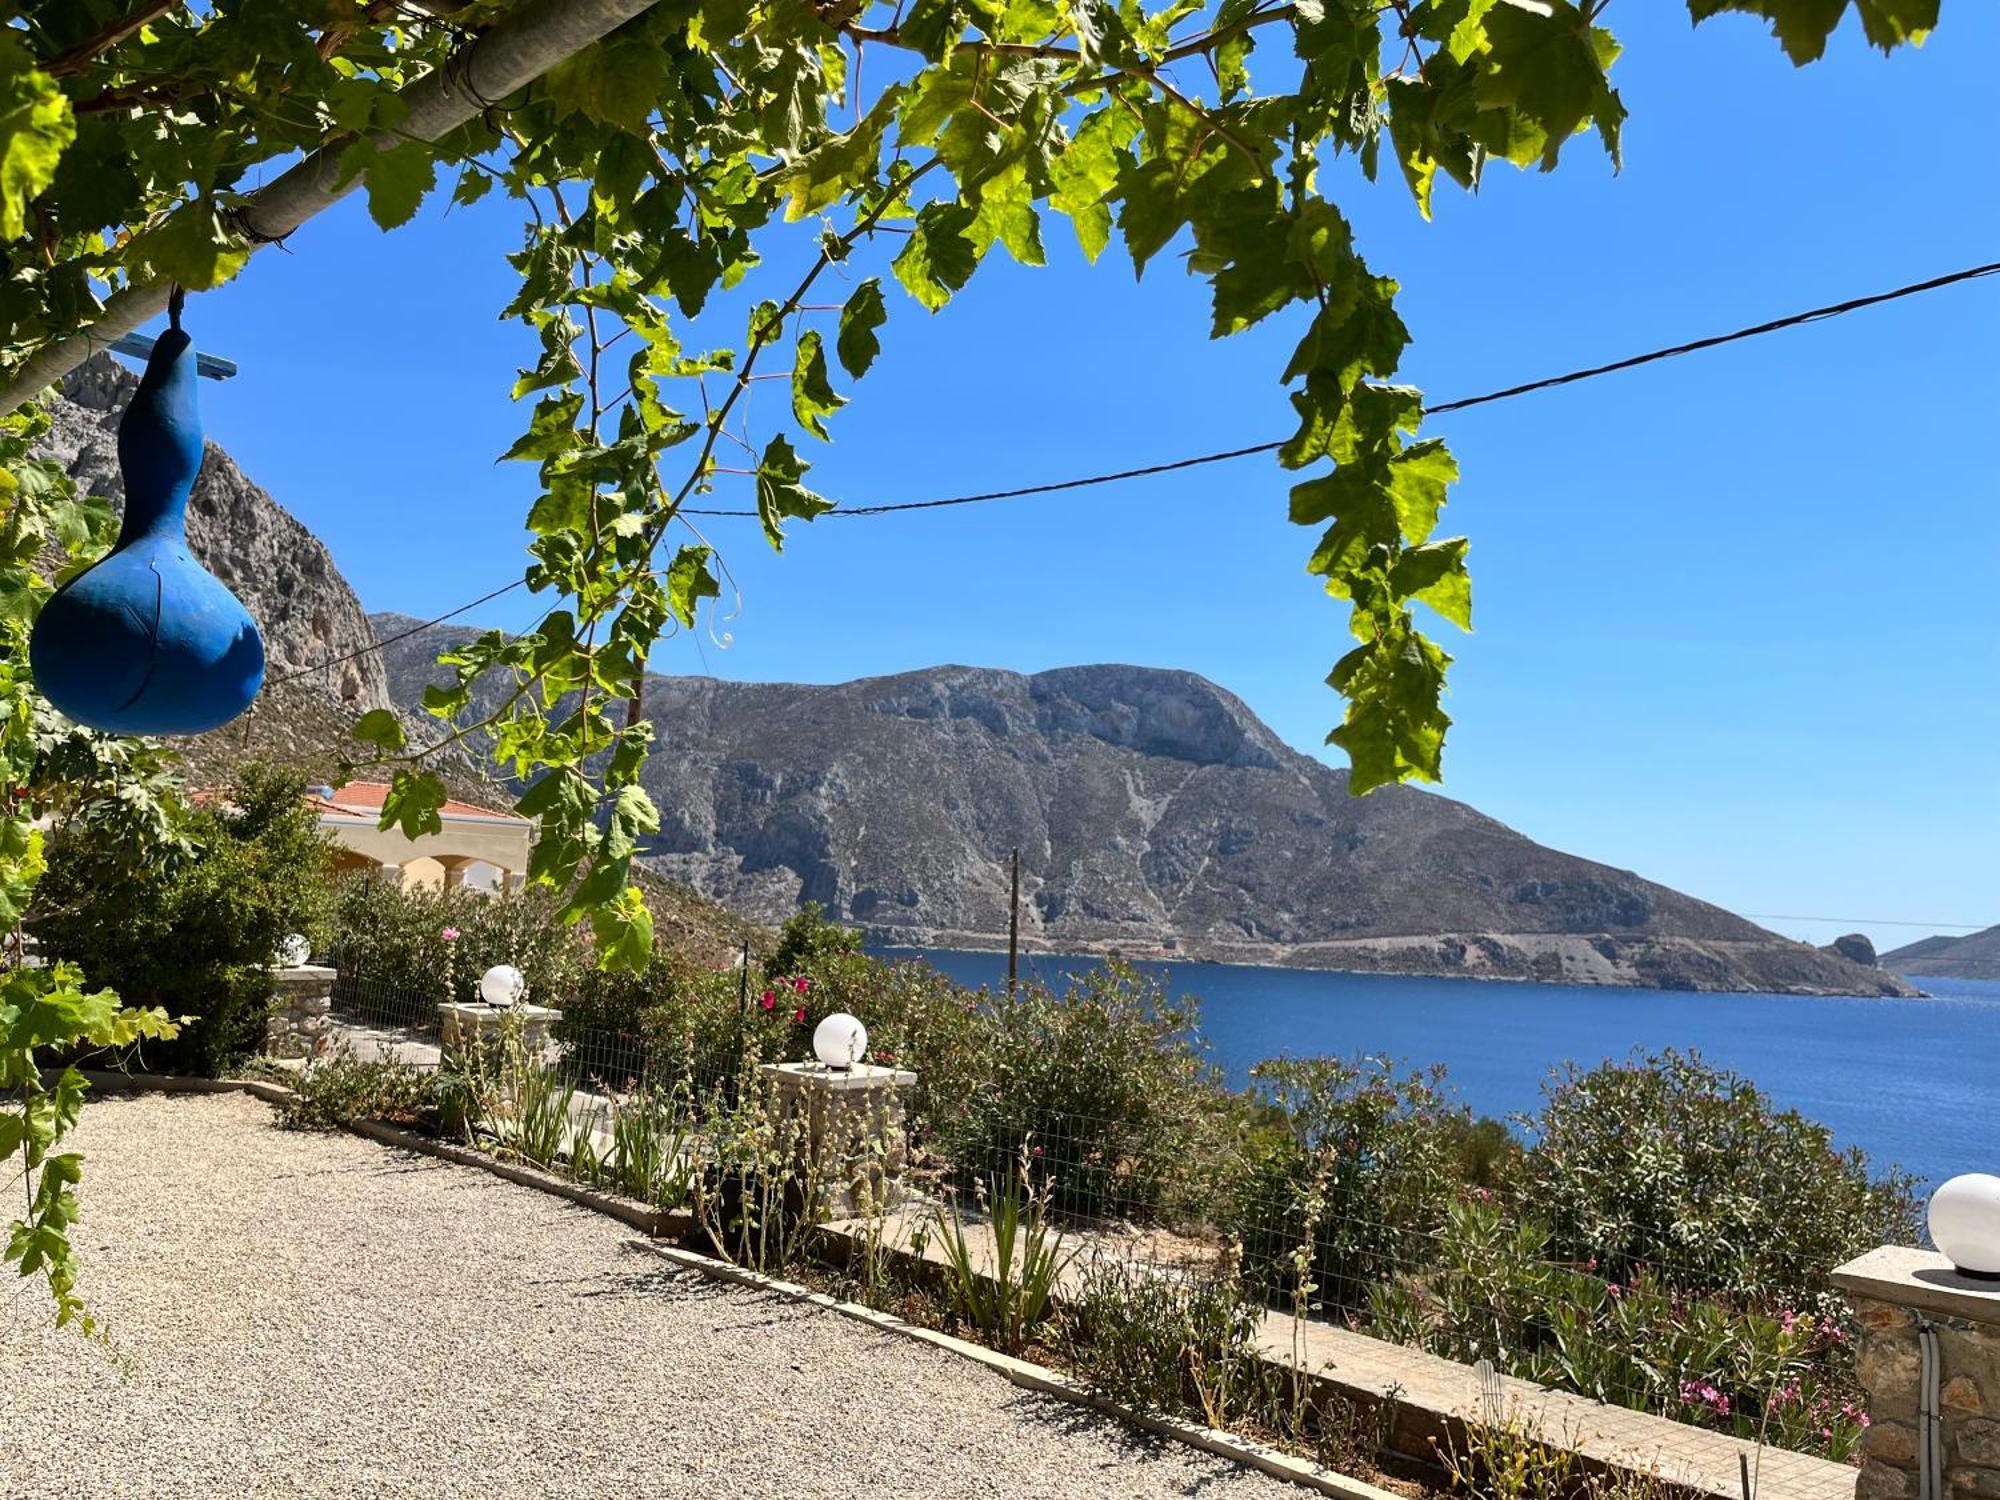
x=1976, y=956
x=1155, y=815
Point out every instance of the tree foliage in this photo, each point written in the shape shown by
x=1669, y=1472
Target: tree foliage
x=696, y=183
x=249, y=868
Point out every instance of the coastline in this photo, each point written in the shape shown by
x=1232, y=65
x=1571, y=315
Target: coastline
x=1667, y=965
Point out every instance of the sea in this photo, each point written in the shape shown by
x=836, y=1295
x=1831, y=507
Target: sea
x=1914, y=1083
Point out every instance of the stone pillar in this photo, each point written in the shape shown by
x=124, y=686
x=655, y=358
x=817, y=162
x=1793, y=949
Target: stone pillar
x=1900, y=1298
x=454, y=878
x=850, y=1120
x=301, y=998
x=389, y=874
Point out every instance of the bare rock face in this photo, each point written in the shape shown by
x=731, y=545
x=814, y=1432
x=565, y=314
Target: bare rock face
x=1855, y=948
x=280, y=570
x=1155, y=815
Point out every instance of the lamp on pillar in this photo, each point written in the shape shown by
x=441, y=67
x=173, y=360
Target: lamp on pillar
x=1965, y=1224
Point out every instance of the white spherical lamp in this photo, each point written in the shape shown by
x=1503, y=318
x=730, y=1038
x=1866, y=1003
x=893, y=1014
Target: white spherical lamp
x=293, y=950
x=503, y=985
x=1965, y=1223
x=840, y=1040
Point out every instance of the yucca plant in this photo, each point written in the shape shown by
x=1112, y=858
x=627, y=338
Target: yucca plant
x=1008, y=1297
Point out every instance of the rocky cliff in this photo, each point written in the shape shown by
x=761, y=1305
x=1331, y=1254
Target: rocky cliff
x=1155, y=815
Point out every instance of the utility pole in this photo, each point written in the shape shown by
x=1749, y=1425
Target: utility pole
x=1014, y=927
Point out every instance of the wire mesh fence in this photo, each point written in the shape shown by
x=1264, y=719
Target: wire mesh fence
x=1348, y=1221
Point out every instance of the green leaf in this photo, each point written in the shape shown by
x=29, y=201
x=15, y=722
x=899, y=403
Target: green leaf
x=865, y=312
x=1803, y=26
x=412, y=803
x=616, y=82
x=841, y=165
x=813, y=396
x=192, y=246
x=381, y=728
x=1436, y=574
x=940, y=256
x=780, y=496
x=1395, y=727
x=36, y=127
x=1085, y=171
x=397, y=178
x=689, y=581
x=624, y=932
x=1417, y=479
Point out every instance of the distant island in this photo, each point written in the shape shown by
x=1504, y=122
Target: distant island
x=1976, y=956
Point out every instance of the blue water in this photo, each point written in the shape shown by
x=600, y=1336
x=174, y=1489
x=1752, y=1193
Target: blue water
x=1915, y=1083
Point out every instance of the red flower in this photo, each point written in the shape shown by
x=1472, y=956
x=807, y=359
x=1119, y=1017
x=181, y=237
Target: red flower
x=799, y=1015
x=770, y=1001
x=802, y=984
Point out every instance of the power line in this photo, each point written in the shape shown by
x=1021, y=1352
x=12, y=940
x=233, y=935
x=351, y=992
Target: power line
x=1672, y=351
x=401, y=635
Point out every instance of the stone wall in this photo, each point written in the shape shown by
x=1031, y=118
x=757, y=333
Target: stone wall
x=1897, y=1295
x=300, y=1001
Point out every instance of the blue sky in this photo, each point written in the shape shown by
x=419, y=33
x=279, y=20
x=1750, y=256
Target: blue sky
x=1734, y=627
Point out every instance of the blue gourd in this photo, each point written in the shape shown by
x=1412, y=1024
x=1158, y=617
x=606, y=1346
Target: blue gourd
x=148, y=641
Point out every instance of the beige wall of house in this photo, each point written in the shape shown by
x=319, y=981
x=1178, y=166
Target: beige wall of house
x=465, y=852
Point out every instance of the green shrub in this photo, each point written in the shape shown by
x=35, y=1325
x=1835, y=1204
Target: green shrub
x=1688, y=1171
x=1185, y=1346
x=405, y=949
x=196, y=930
x=1108, y=1083
x=1495, y=1291
x=1002, y=1277
x=341, y=1089
x=1348, y=1177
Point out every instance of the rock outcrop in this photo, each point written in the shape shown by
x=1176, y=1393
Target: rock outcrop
x=1155, y=815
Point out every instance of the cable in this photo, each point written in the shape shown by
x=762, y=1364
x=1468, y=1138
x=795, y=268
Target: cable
x=401, y=635
x=1812, y=315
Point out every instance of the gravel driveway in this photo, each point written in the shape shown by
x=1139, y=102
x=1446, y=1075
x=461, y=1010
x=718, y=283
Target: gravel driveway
x=318, y=1315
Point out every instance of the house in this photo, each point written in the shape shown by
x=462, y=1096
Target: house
x=477, y=848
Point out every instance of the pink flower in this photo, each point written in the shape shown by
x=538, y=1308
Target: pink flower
x=802, y=984
x=1612, y=1289
x=770, y=1001
x=450, y=934
x=799, y=1015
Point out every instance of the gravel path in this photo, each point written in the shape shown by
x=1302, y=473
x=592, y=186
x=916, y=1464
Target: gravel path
x=307, y=1314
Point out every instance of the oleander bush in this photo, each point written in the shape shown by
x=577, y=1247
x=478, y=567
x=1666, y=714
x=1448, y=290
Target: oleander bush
x=1347, y=1176
x=413, y=948
x=1670, y=1165
x=1497, y=1290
